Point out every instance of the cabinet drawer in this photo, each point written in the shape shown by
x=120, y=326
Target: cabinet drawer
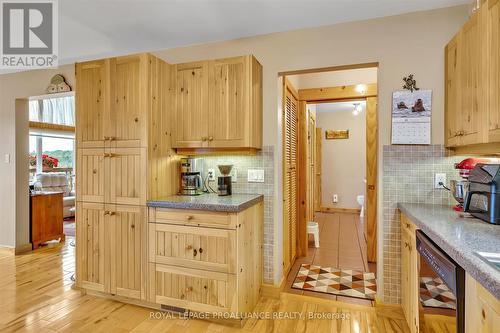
x=192, y=218
x=195, y=289
x=195, y=247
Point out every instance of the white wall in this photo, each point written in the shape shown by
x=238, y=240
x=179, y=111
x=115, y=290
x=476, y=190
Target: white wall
x=411, y=43
x=12, y=87
x=344, y=160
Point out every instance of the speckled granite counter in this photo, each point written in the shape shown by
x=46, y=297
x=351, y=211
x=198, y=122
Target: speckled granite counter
x=460, y=238
x=231, y=203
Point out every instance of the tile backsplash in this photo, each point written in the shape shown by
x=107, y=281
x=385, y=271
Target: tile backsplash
x=263, y=160
x=408, y=176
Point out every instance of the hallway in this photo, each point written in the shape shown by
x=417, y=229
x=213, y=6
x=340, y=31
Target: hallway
x=342, y=245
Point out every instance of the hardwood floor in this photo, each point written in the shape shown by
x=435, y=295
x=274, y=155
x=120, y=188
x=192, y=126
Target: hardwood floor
x=342, y=245
x=36, y=295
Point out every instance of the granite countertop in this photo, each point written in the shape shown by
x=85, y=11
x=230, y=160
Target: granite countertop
x=460, y=238
x=231, y=203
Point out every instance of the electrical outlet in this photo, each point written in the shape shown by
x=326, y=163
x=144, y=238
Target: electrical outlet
x=439, y=178
x=335, y=198
x=211, y=174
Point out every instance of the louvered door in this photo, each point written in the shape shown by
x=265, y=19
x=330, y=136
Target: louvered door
x=290, y=123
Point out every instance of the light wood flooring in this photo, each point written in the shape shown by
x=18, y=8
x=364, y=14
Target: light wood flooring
x=342, y=245
x=36, y=295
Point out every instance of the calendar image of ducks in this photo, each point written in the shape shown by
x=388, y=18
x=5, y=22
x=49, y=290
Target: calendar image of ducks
x=411, y=117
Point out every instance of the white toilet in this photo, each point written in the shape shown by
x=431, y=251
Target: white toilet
x=361, y=202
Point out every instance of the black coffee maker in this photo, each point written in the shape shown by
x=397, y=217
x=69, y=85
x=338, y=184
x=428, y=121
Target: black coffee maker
x=483, y=198
x=224, y=181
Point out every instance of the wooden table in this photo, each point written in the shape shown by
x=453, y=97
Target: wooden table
x=46, y=220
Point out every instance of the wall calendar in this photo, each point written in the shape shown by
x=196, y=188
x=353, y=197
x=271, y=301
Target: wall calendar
x=411, y=117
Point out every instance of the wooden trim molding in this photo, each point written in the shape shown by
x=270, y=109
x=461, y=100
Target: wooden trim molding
x=324, y=209
x=24, y=248
x=216, y=151
x=54, y=127
x=482, y=149
x=330, y=69
x=272, y=290
x=341, y=92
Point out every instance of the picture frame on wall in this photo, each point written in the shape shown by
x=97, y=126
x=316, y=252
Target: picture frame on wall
x=336, y=134
x=411, y=117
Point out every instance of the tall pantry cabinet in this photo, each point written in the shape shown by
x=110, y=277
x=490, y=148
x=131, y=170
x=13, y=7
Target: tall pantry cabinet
x=124, y=156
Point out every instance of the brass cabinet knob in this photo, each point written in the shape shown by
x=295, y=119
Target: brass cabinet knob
x=200, y=250
x=189, y=217
x=189, y=247
x=188, y=289
x=210, y=138
x=204, y=138
x=195, y=253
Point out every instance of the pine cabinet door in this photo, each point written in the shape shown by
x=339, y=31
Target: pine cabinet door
x=92, y=175
x=128, y=247
x=129, y=109
x=229, y=102
x=472, y=81
x=493, y=26
x=93, y=261
x=453, y=112
x=128, y=176
x=191, y=111
x=93, y=122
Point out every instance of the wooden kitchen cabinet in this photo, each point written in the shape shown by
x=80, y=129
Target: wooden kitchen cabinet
x=219, y=104
x=472, y=84
x=124, y=155
x=493, y=57
x=482, y=309
x=111, y=248
x=205, y=261
x=116, y=177
x=409, y=274
x=46, y=217
x=92, y=252
x=191, y=110
x=128, y=244
x=472, y=80
x=93, y=103
x=452, y=98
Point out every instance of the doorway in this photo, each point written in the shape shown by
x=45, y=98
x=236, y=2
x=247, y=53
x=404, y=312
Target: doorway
x=313, y=106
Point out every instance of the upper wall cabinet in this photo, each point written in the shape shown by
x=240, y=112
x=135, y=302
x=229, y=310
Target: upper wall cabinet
x=111, y=99
x=472, y=72
x=219, y=104
x=493, y=57
x=191, y=109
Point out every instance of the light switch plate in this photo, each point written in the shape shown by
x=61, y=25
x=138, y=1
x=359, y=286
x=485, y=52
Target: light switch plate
x=211, y=174
x=256, y=175
x=7, y=158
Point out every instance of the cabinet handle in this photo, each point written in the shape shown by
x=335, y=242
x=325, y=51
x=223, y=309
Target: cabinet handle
x=188, y=289
x=408, y=225
x=204, y=138
x=132, y=226
x=106, y=213
x=189, y=247
x=210, y=138
x=200, y=250
x=406, y=244
x=195, y=252
x=107, y=138
x=189, y=217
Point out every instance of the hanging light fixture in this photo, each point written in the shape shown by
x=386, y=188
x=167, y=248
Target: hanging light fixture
x=357, y=109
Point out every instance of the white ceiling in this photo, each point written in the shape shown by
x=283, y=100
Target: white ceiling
x=98, y=28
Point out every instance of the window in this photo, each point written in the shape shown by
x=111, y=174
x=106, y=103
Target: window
x=60, y=150
x=60, y=110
